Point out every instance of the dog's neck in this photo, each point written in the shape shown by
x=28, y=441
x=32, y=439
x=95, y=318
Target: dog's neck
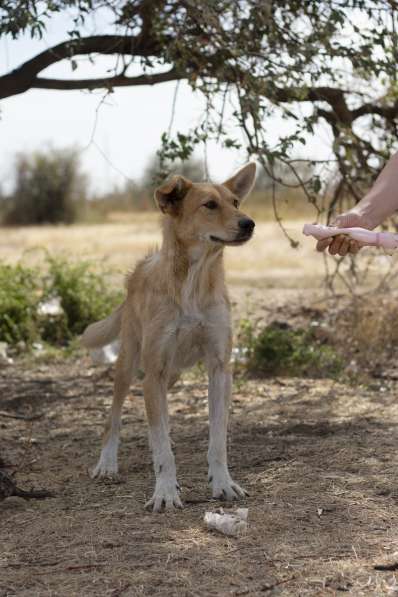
x=195, y=270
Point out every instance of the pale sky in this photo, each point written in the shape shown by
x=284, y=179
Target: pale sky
x=129, y=123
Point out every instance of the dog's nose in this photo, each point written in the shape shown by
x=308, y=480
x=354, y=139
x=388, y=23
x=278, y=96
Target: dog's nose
x=246, y=224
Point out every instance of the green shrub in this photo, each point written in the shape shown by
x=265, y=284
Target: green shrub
x=20, y=294
x=83, y=292
x=278, y=349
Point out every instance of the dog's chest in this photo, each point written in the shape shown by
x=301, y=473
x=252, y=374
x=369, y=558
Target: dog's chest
x=191, y=336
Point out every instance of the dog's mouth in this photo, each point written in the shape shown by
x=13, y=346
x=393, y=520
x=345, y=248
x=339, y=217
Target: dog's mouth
x=238, y=240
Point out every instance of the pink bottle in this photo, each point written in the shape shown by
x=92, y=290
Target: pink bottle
x=387, y=240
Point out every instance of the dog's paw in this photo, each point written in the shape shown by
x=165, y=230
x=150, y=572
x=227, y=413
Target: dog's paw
x=166, y=495
x=106, y=468
x=224, y=487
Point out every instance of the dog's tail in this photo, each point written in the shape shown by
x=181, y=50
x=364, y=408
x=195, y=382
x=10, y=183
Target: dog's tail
x=103, y=332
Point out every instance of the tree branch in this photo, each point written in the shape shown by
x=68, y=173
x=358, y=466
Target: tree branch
x=107, y=82
x=22, y=78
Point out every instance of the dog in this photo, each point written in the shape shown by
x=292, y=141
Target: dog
x=176, y=313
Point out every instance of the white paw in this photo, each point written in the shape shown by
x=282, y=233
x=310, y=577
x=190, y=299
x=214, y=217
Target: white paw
x=224, y=487
x=166, y=494
x=106, y=467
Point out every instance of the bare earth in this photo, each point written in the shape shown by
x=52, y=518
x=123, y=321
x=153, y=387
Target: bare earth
x=318, y=457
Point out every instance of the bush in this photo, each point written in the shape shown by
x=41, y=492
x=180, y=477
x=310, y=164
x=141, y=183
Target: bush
x=280, y=350
x=19, y=300
x=82, y=291
x=47, y=189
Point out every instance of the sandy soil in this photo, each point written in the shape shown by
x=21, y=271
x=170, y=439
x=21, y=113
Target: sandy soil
x=318, y=458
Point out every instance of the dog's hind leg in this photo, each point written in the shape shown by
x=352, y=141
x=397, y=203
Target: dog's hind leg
x=126, y=365
x=166, y=489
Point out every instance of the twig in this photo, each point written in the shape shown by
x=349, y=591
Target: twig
x=8, y=488
x=37, y=494
x=8, y=415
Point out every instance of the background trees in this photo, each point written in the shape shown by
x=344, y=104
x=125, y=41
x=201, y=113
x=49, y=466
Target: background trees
x=307, y=63
x=48, y=187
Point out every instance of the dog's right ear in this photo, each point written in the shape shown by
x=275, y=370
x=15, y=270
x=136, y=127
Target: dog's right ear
x=170, y=194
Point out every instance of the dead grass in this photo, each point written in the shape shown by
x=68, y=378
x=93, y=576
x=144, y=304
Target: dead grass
x=266, y=260
x=319, y=459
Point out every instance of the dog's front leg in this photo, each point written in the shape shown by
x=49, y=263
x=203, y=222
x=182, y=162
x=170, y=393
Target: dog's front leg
x=220, y=384
x=166, y=489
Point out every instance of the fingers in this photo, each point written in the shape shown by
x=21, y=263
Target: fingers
x=339, y=245
x=323, y=244
x=355, y=246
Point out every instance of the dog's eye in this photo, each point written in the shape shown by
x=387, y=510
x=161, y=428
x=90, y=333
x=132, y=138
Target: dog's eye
x=236, y=203
x=211, y=205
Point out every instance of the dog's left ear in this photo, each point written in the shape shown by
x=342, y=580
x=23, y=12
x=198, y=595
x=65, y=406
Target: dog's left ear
x=242, y=182
x=171, y=193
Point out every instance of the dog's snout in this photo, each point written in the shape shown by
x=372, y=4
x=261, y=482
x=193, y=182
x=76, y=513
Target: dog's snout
x=246, y=225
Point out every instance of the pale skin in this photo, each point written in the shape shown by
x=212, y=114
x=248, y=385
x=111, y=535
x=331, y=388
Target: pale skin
x=377, y=205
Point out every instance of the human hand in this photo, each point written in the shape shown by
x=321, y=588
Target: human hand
x=341, y=244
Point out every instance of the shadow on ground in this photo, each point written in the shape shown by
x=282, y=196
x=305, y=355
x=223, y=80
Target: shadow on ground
x=319, y=459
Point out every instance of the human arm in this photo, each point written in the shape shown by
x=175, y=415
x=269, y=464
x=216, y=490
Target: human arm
x=377, y=205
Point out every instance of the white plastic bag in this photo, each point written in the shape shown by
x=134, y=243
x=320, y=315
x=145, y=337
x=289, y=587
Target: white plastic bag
x=233, y=525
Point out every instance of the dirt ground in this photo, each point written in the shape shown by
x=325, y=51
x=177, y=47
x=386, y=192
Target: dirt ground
x=319, y=459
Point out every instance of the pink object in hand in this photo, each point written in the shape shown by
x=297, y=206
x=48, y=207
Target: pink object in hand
x=387, y=240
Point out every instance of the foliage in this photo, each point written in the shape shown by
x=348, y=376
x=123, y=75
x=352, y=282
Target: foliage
x=319, y=63
x=278, y=349
x=83, y=291
x=47, y=188
x=191, y=168
x=85, y=294
x=19, y=300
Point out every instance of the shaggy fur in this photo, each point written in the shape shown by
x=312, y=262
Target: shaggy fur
x=177, y=312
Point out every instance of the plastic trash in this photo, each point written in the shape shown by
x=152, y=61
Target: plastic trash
x=4, y=358
x=50, y=307
x=106, y=355
x=386, y=240
x=233, y=524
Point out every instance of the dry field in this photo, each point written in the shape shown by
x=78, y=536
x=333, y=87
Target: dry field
x=266, y=260
x=319, y=458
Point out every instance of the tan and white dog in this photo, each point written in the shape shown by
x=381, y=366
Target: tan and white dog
x=176, y=313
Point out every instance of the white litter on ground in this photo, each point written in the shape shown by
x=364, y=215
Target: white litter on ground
x=233, y=525
x=50, y=307
x=4, y=358
x=105, y=355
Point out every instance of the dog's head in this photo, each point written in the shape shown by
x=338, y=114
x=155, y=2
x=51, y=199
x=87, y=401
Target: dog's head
x=209, y=213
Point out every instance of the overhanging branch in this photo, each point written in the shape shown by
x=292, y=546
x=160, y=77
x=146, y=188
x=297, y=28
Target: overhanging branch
x=21, y=79
x=107, y=82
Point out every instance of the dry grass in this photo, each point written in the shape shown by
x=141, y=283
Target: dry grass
x=266, y=260
x=318, y=458
x=368, y=325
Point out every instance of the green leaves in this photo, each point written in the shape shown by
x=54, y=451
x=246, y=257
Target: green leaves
x=83, y=291
x=324, y=68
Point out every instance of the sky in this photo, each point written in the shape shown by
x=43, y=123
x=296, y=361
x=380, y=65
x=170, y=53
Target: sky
x=116, y=137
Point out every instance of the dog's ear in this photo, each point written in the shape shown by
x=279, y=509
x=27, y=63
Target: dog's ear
x=171, y=193
x=242, y=182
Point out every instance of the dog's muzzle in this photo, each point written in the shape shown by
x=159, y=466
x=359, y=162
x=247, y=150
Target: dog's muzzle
x=246, y=227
